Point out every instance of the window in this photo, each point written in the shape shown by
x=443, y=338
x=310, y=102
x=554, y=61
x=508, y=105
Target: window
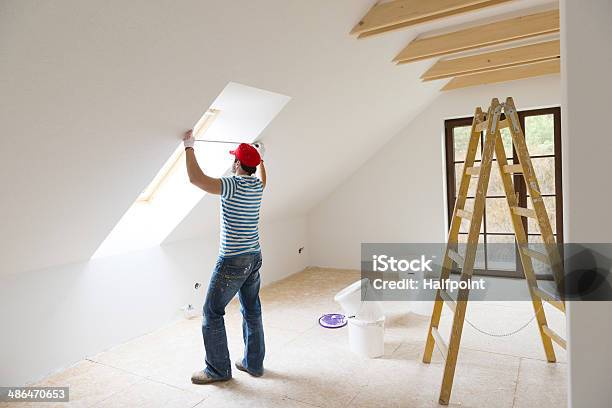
x=240, y=113
x=542, y=128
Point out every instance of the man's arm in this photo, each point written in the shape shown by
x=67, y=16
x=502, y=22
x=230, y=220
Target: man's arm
x=261, y=173
x=261, y=169
x=196, y=175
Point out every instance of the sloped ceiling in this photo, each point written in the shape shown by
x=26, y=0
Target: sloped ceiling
x=93, y=96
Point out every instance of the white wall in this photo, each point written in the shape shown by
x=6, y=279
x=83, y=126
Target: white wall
x=399, y=194
x=54, y=317
x=586, y=67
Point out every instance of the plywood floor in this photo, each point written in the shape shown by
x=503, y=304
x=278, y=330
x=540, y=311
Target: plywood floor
x=308, y=366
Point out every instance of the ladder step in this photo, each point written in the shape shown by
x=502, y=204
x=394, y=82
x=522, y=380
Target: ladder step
x=524, y=212
x=482, y=125
x=535, y=254
x=513, y=168
x=550, y=298
x=464, y=214
x=454, y=255
x=448, y=300
x=440, y=343
x=473, y=171
x=553, y=336
x=485, y=123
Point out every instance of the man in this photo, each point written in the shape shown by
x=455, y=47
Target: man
x=237, y=268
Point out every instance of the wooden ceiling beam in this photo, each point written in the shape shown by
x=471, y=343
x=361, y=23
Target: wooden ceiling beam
x=505, y=74
x=489, y=61
x=480, y=36
x=397, y=14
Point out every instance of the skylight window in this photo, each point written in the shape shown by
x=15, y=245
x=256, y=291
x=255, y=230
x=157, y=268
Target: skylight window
x=239, y=114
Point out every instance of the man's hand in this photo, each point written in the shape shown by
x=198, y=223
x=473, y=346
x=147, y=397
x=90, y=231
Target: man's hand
x=188, y=139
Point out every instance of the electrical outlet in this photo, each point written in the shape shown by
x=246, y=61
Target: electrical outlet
x=300, y=250
x=190, y=312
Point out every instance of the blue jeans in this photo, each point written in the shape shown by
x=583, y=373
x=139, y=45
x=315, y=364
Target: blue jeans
x=233, y=274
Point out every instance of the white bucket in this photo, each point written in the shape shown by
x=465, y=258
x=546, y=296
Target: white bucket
x=349, y=299
x=367, y=339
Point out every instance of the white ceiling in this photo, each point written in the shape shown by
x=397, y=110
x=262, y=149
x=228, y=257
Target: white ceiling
x=93, y=96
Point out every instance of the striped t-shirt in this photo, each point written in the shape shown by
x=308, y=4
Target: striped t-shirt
x=240, y=202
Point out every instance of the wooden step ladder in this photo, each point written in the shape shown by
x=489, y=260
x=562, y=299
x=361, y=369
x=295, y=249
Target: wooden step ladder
x=493, y=145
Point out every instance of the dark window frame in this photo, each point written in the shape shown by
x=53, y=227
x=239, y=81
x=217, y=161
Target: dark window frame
x=519, y=183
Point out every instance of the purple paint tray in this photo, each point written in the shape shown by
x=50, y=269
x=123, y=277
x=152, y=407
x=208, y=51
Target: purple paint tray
x=333, y=320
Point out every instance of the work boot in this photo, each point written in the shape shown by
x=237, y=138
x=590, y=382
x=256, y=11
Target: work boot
x=238, y=364
x=200, y=377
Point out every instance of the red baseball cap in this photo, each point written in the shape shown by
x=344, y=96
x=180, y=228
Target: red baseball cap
x=247, y=154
